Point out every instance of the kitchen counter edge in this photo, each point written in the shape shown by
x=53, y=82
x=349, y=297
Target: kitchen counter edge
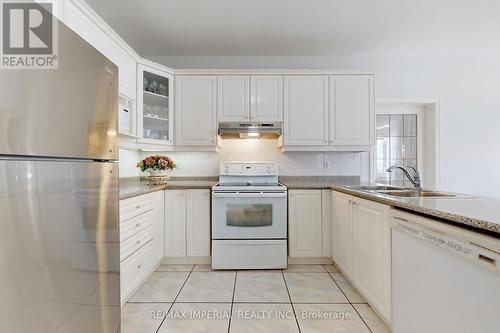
x=475, y=223
x=130, y=189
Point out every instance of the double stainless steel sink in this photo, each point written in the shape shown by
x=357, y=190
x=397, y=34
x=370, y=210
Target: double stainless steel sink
x=402, y=192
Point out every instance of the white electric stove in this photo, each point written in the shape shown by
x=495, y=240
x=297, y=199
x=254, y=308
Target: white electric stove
x=249, y=217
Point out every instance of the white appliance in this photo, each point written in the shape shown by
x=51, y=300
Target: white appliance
x=249, y=217
x=444, y=281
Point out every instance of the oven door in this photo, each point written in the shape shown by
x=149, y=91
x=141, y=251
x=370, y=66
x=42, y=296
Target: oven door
x=249, y=215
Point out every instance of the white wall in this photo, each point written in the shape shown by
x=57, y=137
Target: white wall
x=290, y=163
x=468, y=89
x=128, y=162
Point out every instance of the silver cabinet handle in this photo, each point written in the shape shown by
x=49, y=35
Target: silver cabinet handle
x=138, y=207
x=139, y=266
x=138, y=225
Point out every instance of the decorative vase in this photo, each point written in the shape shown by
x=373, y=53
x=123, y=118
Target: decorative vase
x=157, y=177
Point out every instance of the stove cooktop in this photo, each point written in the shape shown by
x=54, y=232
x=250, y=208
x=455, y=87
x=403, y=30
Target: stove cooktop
x=246, y=184
x=249, y=187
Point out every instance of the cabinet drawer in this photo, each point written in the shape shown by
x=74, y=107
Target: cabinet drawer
x=134, y=269
x=132, y=207
x=135, y=242
x=134, y=225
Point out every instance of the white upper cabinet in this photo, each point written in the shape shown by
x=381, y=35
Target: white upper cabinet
x=352, y=110
x=266, y=98
x=195, y=110
x=256, y=98
x=233, y=99
x=155, y=106
x=306, y=110
x=82, y=20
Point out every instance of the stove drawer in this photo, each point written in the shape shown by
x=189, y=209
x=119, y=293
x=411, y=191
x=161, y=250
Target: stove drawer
x=249, y=254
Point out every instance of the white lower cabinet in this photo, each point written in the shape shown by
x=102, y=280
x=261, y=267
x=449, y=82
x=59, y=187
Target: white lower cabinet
x=187, y=223
x=342, y=231
x=175, y=223
x=361, y=248
x=305, y=223
x=198, y=223
x=141, y=240
x=135, y=270
x=372, y=253
x=159, y=226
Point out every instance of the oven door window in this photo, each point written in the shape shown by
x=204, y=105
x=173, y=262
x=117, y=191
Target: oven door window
x=249, y=215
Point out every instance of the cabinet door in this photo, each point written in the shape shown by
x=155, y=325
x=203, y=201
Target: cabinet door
x=352, y=110
x=78, y=20
x=305, y=227
x=371, y=254
x=306, y=110
x=175, y=223
x=198, y=223
x=233, y=98
x=266, y=98
x=158, y=227
x=154, y=106
x=195, y=110
x=342, y=231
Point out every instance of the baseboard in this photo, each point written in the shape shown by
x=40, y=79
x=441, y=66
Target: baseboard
x=310, y=260
x=208, y=260
x=187, y=260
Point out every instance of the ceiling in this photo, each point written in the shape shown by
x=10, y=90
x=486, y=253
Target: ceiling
x=305, y=27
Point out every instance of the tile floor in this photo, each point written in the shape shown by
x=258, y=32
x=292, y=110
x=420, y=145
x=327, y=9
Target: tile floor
x=302, y=299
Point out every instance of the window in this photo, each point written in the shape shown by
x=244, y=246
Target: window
x=249, y=215
x=396, y=145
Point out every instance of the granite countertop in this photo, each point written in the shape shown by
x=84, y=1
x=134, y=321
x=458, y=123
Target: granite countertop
x=317, y=182
x=133, y=187
x=477, y=212
x=481, y=213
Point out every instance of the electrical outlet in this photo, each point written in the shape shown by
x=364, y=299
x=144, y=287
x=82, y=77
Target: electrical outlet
x=320, y=161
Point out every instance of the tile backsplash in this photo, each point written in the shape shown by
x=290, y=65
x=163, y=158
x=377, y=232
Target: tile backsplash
x=290, y=163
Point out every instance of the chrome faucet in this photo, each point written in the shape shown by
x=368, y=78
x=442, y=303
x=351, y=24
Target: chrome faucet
x=416, y=179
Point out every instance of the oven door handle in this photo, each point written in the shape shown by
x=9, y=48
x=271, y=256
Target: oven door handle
x=249, y=195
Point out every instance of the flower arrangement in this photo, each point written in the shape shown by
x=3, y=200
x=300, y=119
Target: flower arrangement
x=155, y=163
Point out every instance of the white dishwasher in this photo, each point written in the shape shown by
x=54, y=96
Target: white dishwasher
x=443, y=283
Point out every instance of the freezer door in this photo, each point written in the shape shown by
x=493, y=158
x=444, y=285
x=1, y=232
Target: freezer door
x=59, y=247
x=66, y=112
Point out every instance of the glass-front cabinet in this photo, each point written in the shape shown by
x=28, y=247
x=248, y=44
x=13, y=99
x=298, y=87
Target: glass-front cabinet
x=155, y=123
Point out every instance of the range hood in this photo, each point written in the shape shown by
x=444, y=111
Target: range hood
x=250, y=130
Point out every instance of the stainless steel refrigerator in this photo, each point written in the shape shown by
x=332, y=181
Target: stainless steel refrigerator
x=59, y=228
